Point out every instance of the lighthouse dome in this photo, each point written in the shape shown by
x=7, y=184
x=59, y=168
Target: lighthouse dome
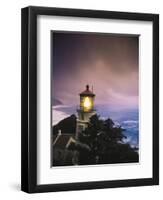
x=87, y=92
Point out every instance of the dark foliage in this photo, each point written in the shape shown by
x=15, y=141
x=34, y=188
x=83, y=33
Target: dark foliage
x=100, y=143
x=105, y=140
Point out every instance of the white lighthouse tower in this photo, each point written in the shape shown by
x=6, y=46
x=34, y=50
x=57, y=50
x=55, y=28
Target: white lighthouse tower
x=85, y=111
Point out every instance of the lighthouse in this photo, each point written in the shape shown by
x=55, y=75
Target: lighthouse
x=85, y=111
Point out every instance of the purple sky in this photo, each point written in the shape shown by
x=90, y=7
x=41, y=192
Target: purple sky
x=108, y=62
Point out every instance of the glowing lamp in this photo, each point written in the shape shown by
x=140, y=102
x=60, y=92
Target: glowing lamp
x=87, y=100
x=87, y=104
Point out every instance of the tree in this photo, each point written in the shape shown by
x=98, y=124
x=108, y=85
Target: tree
x=105, y=140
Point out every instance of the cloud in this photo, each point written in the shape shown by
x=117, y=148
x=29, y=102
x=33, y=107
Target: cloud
x=109, y=63
x=58, y=115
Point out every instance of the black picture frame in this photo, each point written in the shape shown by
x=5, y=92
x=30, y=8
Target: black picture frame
x=29, y=99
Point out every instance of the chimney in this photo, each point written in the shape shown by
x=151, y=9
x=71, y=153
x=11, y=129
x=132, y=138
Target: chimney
x=59, y=132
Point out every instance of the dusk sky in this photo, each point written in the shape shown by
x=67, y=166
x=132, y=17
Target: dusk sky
x=108, y=62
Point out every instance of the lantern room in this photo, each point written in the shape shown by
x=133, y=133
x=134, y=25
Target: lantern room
x=87, y=100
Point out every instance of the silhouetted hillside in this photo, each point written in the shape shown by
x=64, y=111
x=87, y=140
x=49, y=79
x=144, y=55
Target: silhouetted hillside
x=67, y=125
x=101, y=142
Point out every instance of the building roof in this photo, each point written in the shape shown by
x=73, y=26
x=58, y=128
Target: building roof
x=61, y=140
x=87, y=92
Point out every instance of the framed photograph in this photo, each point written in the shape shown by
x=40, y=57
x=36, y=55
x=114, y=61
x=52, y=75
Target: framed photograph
x=90, y=99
